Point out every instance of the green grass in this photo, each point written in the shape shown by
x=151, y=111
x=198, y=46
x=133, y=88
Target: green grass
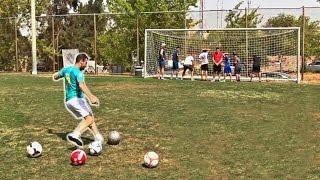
x=201, y=130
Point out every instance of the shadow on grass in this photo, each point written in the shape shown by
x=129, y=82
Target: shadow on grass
x=63, y=136
x=147, y=167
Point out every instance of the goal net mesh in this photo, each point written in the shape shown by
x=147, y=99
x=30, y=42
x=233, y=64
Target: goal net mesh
x=278, y=49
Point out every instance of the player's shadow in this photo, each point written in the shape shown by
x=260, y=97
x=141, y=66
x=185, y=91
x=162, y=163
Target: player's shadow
x=63, y=136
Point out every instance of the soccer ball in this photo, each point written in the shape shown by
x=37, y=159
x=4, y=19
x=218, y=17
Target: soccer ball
x=114, y=138
x=34, y=149
x=95, y=148
x=78, y=157
x=151, y=159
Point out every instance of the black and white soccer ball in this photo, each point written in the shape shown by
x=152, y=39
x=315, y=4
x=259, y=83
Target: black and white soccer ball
x=34, y=149
x=95, y=148
x=114, y=138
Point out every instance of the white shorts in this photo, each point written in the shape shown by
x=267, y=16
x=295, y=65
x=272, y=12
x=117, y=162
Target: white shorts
x=78, y=107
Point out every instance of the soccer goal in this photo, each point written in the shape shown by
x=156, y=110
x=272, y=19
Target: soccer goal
x=278, y=49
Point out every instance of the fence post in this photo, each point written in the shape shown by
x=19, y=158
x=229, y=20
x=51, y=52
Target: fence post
x=138, y=45
x=302, y=50
x=247, y=44
x=16, y=42
x=34, y=38
x=95, y=43
x=53, y=46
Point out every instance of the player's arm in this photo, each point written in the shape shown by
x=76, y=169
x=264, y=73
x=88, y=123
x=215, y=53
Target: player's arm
x=161, y=54
x=93, y=99
x=193, y=61
x=56, y=76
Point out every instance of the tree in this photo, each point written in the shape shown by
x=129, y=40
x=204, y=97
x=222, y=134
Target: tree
x=120, y=39
x=312, y=35
x=237, y=18
x=17, y=13
x=71, y=31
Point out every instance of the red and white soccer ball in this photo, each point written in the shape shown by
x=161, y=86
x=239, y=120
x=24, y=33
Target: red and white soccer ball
x=151, y=159
x=78, y=157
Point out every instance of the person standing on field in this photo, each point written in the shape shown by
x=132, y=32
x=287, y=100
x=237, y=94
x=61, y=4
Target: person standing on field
x=175, y=62
x=256, y=67
x=188, y=64
x=217, y=61
x=204, y=64
x=76, y=90
x=162, y=60
x=227, y=67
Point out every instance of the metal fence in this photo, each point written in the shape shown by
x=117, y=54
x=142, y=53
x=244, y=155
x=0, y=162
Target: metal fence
x=95, y=35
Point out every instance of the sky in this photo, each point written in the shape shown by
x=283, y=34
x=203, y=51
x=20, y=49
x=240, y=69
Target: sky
x=229, y=4
x=215, y=20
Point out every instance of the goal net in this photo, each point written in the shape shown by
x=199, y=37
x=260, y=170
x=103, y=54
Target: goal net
x=278, y=49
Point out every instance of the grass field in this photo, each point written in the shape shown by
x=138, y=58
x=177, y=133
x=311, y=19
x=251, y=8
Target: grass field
x=200, y=130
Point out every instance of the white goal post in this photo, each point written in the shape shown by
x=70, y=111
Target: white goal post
x=278, y=49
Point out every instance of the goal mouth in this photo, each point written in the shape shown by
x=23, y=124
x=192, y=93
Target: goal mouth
x=278, y=50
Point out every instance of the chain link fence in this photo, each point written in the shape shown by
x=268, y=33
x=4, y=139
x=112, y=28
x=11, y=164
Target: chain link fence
x=116, y=41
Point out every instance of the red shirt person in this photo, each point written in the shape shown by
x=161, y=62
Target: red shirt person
x=217, y=58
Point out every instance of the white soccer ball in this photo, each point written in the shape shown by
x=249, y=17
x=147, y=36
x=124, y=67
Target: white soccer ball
x=95, y=148
x=151, y=159
x=114, y=138
x=34, y=149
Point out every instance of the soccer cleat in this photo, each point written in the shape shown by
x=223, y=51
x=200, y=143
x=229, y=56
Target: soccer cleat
x=75, y=140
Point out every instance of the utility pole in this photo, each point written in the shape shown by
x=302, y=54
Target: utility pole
x=201, y=14
x=33, y=34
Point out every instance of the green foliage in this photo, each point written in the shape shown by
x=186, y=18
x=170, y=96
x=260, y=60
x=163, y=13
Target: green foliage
x=124, y=28
x=311, y=30
x=237, y=18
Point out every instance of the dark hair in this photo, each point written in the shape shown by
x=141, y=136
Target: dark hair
x=217, y=48
x=81, y=56
x=178, y=47
x=204, y=50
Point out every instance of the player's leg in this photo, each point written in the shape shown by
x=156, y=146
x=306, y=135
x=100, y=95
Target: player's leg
x=206, y=75
x=213, y=72
x=172, y=72
x=191, y=70
x=219, y=71
x=80, y=109
x=95, y=132
x=162, y=72
x=177, y=72
x=202, y=72
x=184, y=71
x=259, y=74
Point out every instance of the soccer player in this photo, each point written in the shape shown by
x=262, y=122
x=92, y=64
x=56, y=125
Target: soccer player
x=188, y=64
x=237, y=66
x=175, y=62
x=75, y=89
x=204, y=64
x=256, y=67
x=162, y=60
x=217, y=60
x=227, y=66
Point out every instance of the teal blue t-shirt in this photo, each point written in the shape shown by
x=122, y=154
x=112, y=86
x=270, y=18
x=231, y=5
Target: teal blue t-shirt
x=72, y=77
